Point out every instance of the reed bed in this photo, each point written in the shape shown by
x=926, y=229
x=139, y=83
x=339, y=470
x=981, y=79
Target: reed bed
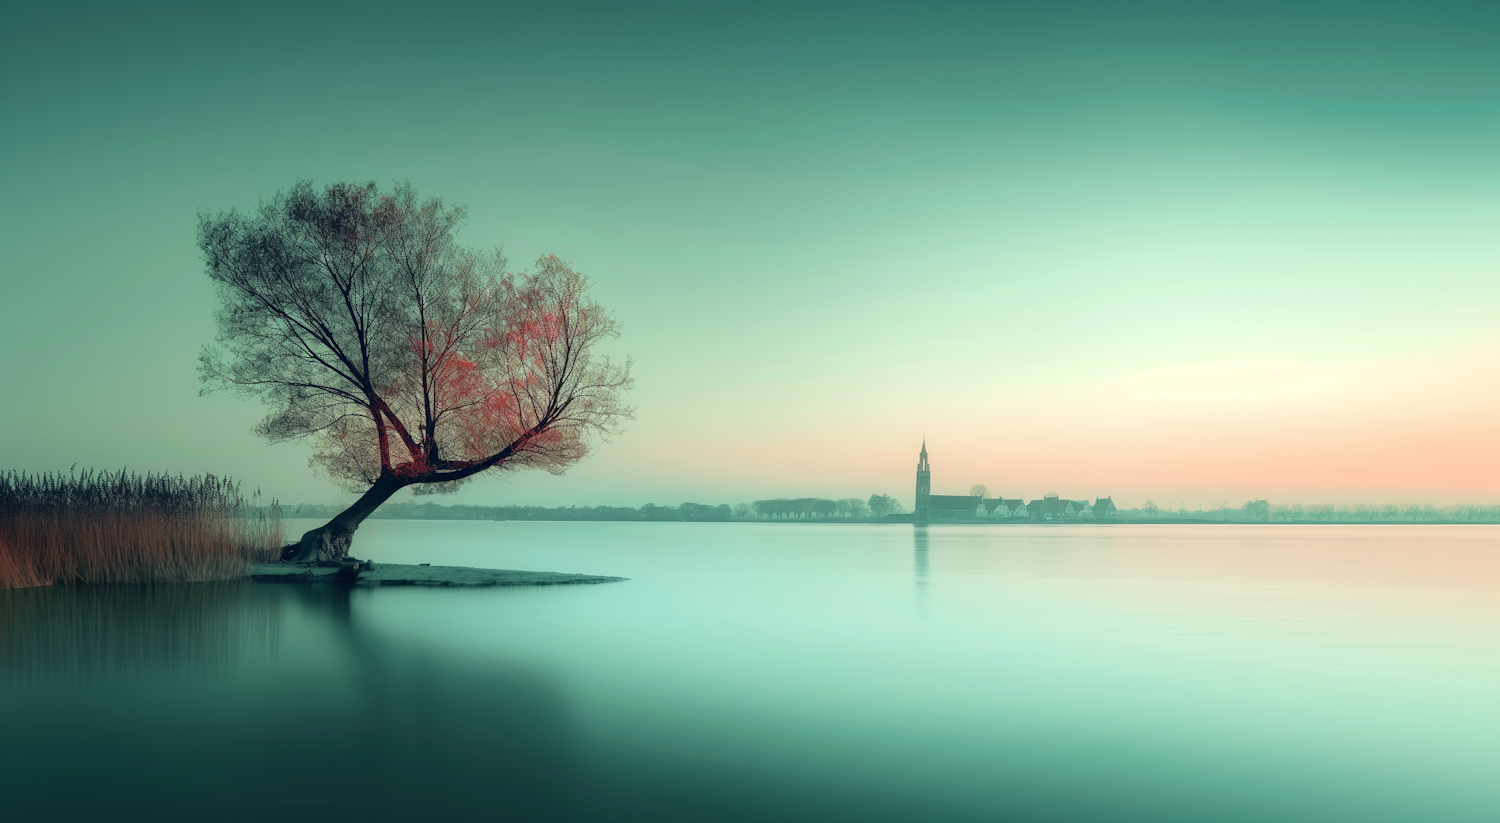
x=123, y=527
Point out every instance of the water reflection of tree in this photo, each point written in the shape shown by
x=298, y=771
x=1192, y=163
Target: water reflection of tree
x=166, y=697
x=86, y=634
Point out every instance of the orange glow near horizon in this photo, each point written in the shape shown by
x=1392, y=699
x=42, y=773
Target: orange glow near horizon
x=1413, y=430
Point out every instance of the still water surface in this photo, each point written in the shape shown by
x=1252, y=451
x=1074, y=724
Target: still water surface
x=781, y=671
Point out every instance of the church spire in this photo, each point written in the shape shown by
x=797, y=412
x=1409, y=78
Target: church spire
x=921, y=510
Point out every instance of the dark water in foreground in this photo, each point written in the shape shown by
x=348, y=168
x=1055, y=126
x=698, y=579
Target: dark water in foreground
x=790, y=672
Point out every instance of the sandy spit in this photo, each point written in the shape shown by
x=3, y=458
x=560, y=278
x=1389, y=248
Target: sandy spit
x=396, y=574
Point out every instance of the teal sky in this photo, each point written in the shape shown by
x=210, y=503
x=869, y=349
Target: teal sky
x=1149, y=250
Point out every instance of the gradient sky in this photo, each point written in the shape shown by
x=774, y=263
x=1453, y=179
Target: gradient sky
x=1154, y=250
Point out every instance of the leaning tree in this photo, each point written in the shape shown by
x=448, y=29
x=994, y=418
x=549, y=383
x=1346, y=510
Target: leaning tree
x=406, y=359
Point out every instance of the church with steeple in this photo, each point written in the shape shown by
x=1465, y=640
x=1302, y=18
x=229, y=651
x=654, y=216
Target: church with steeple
x=924, y=486
x=951, y=508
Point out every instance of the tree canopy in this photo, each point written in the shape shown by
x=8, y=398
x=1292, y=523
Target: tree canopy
x=404, y=357
x=883, y=504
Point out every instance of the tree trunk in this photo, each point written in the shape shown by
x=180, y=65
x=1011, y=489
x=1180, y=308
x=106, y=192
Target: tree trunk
x=332, y=540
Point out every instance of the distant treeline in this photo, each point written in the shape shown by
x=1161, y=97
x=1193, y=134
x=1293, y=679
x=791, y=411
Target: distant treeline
x=879, y=506
x=1262, y=511
x=433, y=511
x=802, y=508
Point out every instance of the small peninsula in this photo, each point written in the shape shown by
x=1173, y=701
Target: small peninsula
x=398, y=574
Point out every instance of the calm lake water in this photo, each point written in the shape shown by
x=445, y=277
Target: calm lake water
x=787, y=672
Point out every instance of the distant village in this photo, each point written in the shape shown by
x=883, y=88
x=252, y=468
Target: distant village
x=939, y=508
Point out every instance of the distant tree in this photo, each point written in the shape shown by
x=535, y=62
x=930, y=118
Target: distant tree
x=852, y=507
x=805, y=507
x=742, y=511
x=780, y=507
x=651, y=511
x=700, y=513
x=979, y=490
x=882, y=505
x=824, y=508
x=408, y=360
x=1150, y=509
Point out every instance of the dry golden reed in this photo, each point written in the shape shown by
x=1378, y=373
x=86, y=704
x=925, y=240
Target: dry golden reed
x=102, y=527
